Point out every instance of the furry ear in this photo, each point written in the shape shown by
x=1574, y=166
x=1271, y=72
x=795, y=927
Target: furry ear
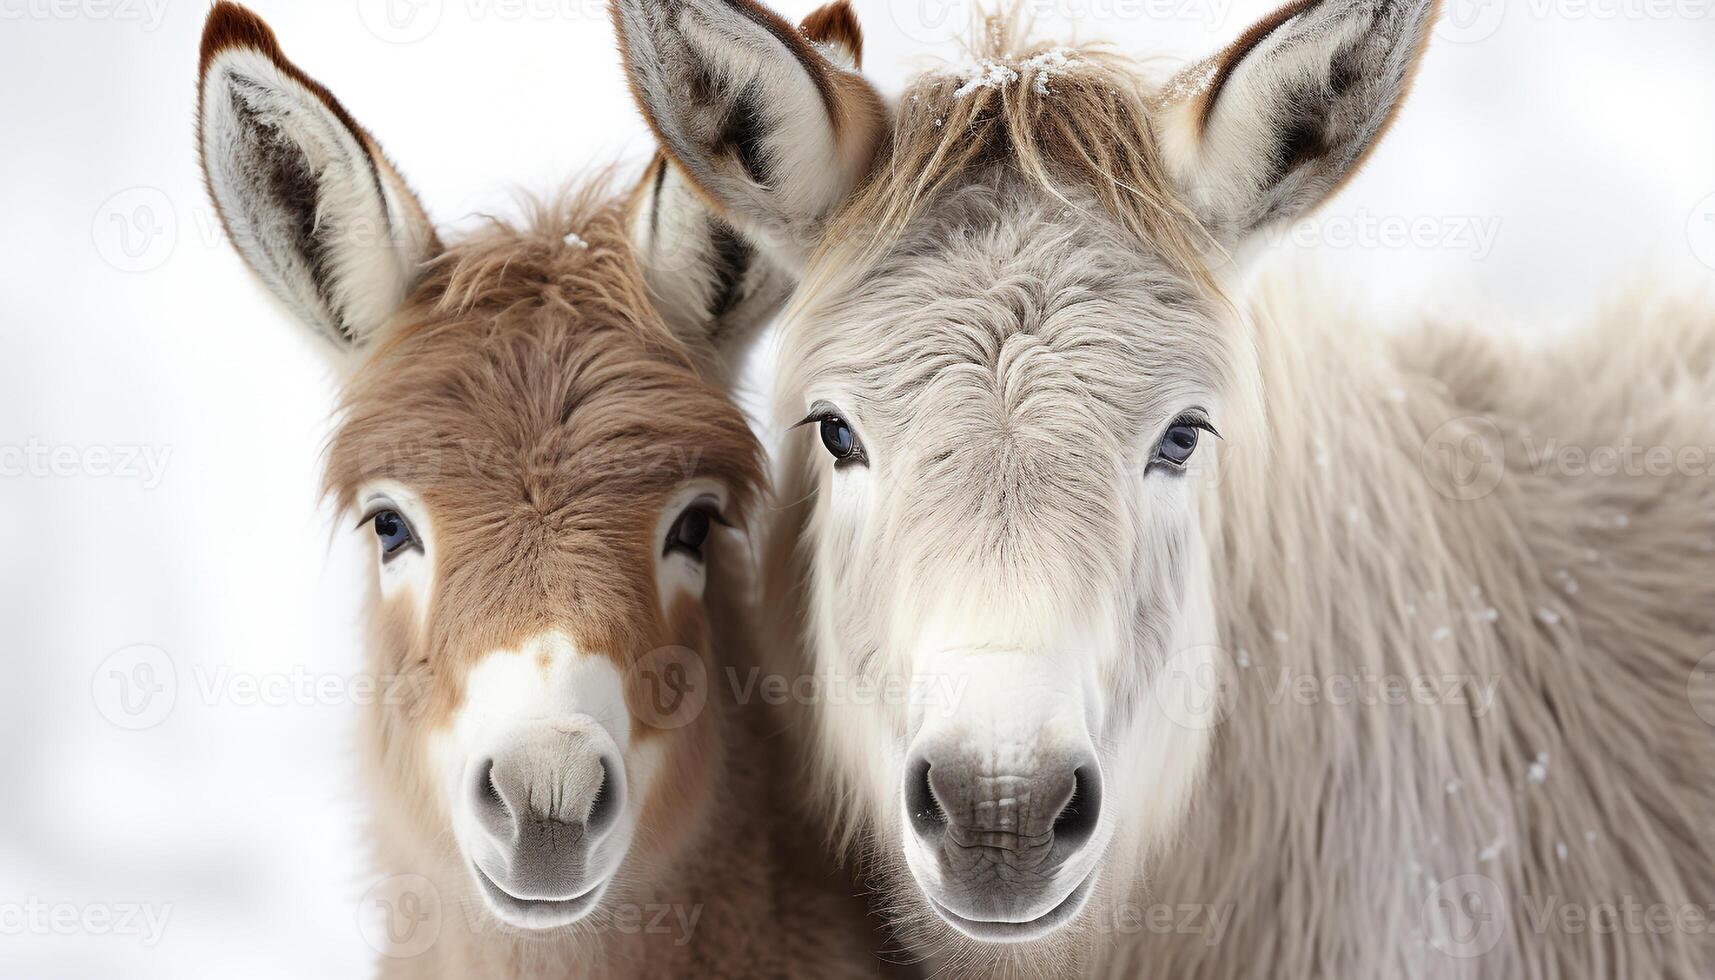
x=303, y=191
x=1270, y=127
x=771, y=126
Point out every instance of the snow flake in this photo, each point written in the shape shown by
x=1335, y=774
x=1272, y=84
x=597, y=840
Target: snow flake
x=1244, y=657
x=1560, y=849
x=1453, y=786
x=1548, y=617
x=1538, y=771
x=575, y=240
x=1493, y=851
x=986, y=74
x=1442, y=634
x=1047, y=64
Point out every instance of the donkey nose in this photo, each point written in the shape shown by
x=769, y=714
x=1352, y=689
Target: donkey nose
x=961, y=804
x=544, y=800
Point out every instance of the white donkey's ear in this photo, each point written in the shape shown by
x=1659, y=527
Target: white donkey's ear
x=303, y=191
x=769, y=124
x=1270, y=127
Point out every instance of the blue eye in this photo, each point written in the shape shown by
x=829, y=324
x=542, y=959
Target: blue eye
x=1180, y=441
x=838, y=437
x=394, y=534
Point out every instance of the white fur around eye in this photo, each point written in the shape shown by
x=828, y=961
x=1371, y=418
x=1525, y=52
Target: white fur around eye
x=410, y=571
x=676, y=573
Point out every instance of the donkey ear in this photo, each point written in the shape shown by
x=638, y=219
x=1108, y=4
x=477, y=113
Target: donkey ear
x=770, y=126
x=1271, y=127
x=303, y=191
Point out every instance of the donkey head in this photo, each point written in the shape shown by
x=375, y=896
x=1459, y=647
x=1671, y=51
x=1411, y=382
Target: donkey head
x=1009, y=355
x=545, y=477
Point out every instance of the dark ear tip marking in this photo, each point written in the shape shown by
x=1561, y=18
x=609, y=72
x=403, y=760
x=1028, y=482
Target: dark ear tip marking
x=230, y=25
x=836, y=23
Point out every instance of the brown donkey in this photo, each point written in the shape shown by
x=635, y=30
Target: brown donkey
x=550, y=479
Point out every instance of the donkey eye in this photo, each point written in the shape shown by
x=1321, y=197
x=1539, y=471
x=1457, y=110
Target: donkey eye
x=1180, y=440
x=838, y=436
x=394, y=534
x=691, y=531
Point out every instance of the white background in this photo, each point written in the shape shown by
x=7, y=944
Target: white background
x=1552, y=152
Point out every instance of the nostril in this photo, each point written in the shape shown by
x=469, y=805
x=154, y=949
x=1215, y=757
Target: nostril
x=604, y=809
x=491, y=805
x=1077, y=819
x=927, y=817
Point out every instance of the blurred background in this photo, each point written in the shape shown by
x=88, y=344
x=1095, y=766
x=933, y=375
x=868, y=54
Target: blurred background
x=179, y=617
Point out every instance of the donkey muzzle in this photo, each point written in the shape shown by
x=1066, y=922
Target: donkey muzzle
x=1002, y=841
x=544, y=800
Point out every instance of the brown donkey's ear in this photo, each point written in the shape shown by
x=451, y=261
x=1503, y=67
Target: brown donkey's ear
x=1270, y=127
x=303, y=191
x=772, y=127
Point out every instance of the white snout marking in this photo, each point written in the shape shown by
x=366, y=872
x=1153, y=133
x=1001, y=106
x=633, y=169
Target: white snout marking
x=548, y=679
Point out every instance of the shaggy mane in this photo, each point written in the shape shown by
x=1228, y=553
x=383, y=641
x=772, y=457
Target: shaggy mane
x=1063, y=117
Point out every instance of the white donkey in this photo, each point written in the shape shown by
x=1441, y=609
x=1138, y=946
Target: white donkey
x=1360, y=688
x=561, y=787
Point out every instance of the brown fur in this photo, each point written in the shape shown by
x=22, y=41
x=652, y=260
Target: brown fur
x=541, y=410
x=533, y=401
